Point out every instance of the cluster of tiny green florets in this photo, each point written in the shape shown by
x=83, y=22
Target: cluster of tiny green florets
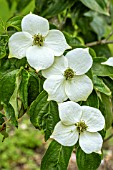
x=69, y=73
x=38, y=40
x=81, y=126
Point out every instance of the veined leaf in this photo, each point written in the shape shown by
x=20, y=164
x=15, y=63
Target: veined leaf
x=100, y=69
x=87, y=161
x=106, y=109
x=35, y=86
x=7, y=85
x=100, y=86
x=23, y=88
x=56, y=157
x=29, y=8
x=15, y=22
x=92, y=100
x=44, y=114
x=10, y=114
x=96, y=5
x=51, y=8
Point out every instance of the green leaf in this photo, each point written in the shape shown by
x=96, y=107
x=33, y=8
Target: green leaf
x=10, y=114
x=44, y=114
x=96, y=5
x=106, y=109
x=87, y=161
x=100, y=69
x=56, y=157
x=109, y=82
x=5, y=11
x=92, y=100
x=96, y=23
x=35, y=86
x=2, y=27
x=12, y=64
x=100, y=86
x=51, y=8
x=3, y=43
x=15, y=22
x=7, y=85
x=102, y=50
x=23, y=88
x=14, y=98
x=29, y=8
x=73, y=41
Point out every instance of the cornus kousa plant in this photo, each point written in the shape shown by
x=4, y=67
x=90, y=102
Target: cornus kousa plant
x=66, y=77
x=56, y=68
x=79, y=122
x=37, y=43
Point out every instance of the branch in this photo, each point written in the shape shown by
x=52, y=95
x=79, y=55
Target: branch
x=111, y=33
x=99, y=42
x=109, y=137
x=104, y=41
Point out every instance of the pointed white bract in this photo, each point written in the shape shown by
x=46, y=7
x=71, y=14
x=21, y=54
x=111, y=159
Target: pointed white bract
x=37, y=43
x=109, y=62
x=79, y=122
x=66, y=77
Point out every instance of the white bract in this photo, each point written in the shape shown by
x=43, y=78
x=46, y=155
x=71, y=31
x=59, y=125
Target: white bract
x=37, y=42
x=66, y=77
x=79, y=122
x=109, y=62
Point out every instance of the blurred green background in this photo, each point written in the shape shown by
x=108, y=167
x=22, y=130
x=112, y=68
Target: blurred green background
x=23, y=149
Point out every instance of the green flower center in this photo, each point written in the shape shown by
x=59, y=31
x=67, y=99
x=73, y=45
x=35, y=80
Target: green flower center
x=38, y=40
x=81, y=126
x=69, y=73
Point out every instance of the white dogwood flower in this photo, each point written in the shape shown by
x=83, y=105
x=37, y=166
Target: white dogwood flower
x=79, y=122
x=37, y=42
x=109, y=62
x=66, y=77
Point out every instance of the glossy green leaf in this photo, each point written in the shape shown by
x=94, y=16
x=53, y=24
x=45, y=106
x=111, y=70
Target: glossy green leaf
x=100, y=86
x=106, y=109
x=96, y=23
x=56, y=157
x=92, y=100
x=23, y=88
x=7, y=85
x=74, y=42
x=51, y=8
x=44, y=114
x=14, y=98
x=100, y=69
x=10, y=114
x=29, y=8
x=87, y=161
x=35, y=86
x=96, y=5
x=102, y=50
x=15, y=22
x=109, y=82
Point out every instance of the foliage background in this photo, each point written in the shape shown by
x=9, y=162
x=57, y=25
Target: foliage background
x=85, y=23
